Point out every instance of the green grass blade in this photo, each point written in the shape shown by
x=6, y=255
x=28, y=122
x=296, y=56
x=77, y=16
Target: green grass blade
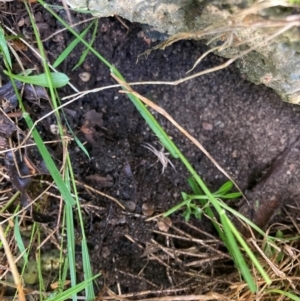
x=70, y=235
x=71, y=291
x=194, y=185
x=58, y=79
x=236, y=253
x=87, y=50
x=229, y=196
x=249, y=252
x=4, y=48
x=87, y=269
x=226, y=187
x=175, y=208
x=242, y=217
x=66, y=25
x=78, y=142
x=283, y=293
x=151, y=121
x=49, y=162
x=71, y=245
x=19, y=240
x=70, y=47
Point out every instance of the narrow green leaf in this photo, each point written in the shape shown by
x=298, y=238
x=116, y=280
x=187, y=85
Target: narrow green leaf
x=19, y=240
x=236, y=253
x=244, y=245
x=232, y=195
x=281, y=292
x=49, y=162
x=89, y=289
x=59, y=79
x=151, y=121
x=70, y=47
x=194, y=185
x=225, y=188
x=242, y=217
x=71, y=244
x=78, y=142
x=4, y=48
x=87, y=50
x=71, y=291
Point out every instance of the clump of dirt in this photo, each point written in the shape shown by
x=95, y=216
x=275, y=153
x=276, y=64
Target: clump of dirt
x=243, y=126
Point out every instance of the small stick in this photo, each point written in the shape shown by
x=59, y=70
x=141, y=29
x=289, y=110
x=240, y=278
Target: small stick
x=12, y=264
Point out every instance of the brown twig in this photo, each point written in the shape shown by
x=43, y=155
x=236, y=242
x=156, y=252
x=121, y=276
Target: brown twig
x=13, y=267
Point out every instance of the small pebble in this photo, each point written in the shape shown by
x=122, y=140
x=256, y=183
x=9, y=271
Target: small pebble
x=129, y=206
x=148, y=209
x=85, y=76
x=54, y=129
x=58, y=38
x=207, y=126
x=164, y=224
x=105, y=252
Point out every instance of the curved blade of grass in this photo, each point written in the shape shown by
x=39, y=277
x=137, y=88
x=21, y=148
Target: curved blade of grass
x=194, y=185
x=283, y=293
x=82, y=10
x=58, y=79
x=87, y=269
x=248, y=251
x=19, y=240
x=49, y=162
x=4, y=48
x=87, y=50
x=151, y=121
x=226, y=187
x=71, y=244
x=70, y=47
x=71, y=291
x=242, y=217
x=233, y=195
x=236, y=253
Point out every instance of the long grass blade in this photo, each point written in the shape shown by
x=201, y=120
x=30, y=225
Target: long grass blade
x=71, y=47
x=4, y=48
x=87, y=50
x=236, y=253
x=283, y=293
x=58, y=79
x=71, y=291
x=49, y=162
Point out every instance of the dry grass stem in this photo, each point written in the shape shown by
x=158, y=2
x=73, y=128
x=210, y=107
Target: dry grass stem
x=100, y=193
x=12, y=265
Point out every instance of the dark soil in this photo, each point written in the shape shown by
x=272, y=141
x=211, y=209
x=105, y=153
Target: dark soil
x=244, y=127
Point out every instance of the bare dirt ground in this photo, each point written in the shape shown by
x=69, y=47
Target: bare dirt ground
x=244, y=127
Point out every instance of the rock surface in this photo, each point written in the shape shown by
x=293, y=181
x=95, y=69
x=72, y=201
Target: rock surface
x=233, y=28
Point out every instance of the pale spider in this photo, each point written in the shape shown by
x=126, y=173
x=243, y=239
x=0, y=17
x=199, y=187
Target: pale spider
x=161, y=155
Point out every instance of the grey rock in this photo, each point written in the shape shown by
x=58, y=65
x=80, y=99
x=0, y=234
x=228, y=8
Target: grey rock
x=251, y=24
